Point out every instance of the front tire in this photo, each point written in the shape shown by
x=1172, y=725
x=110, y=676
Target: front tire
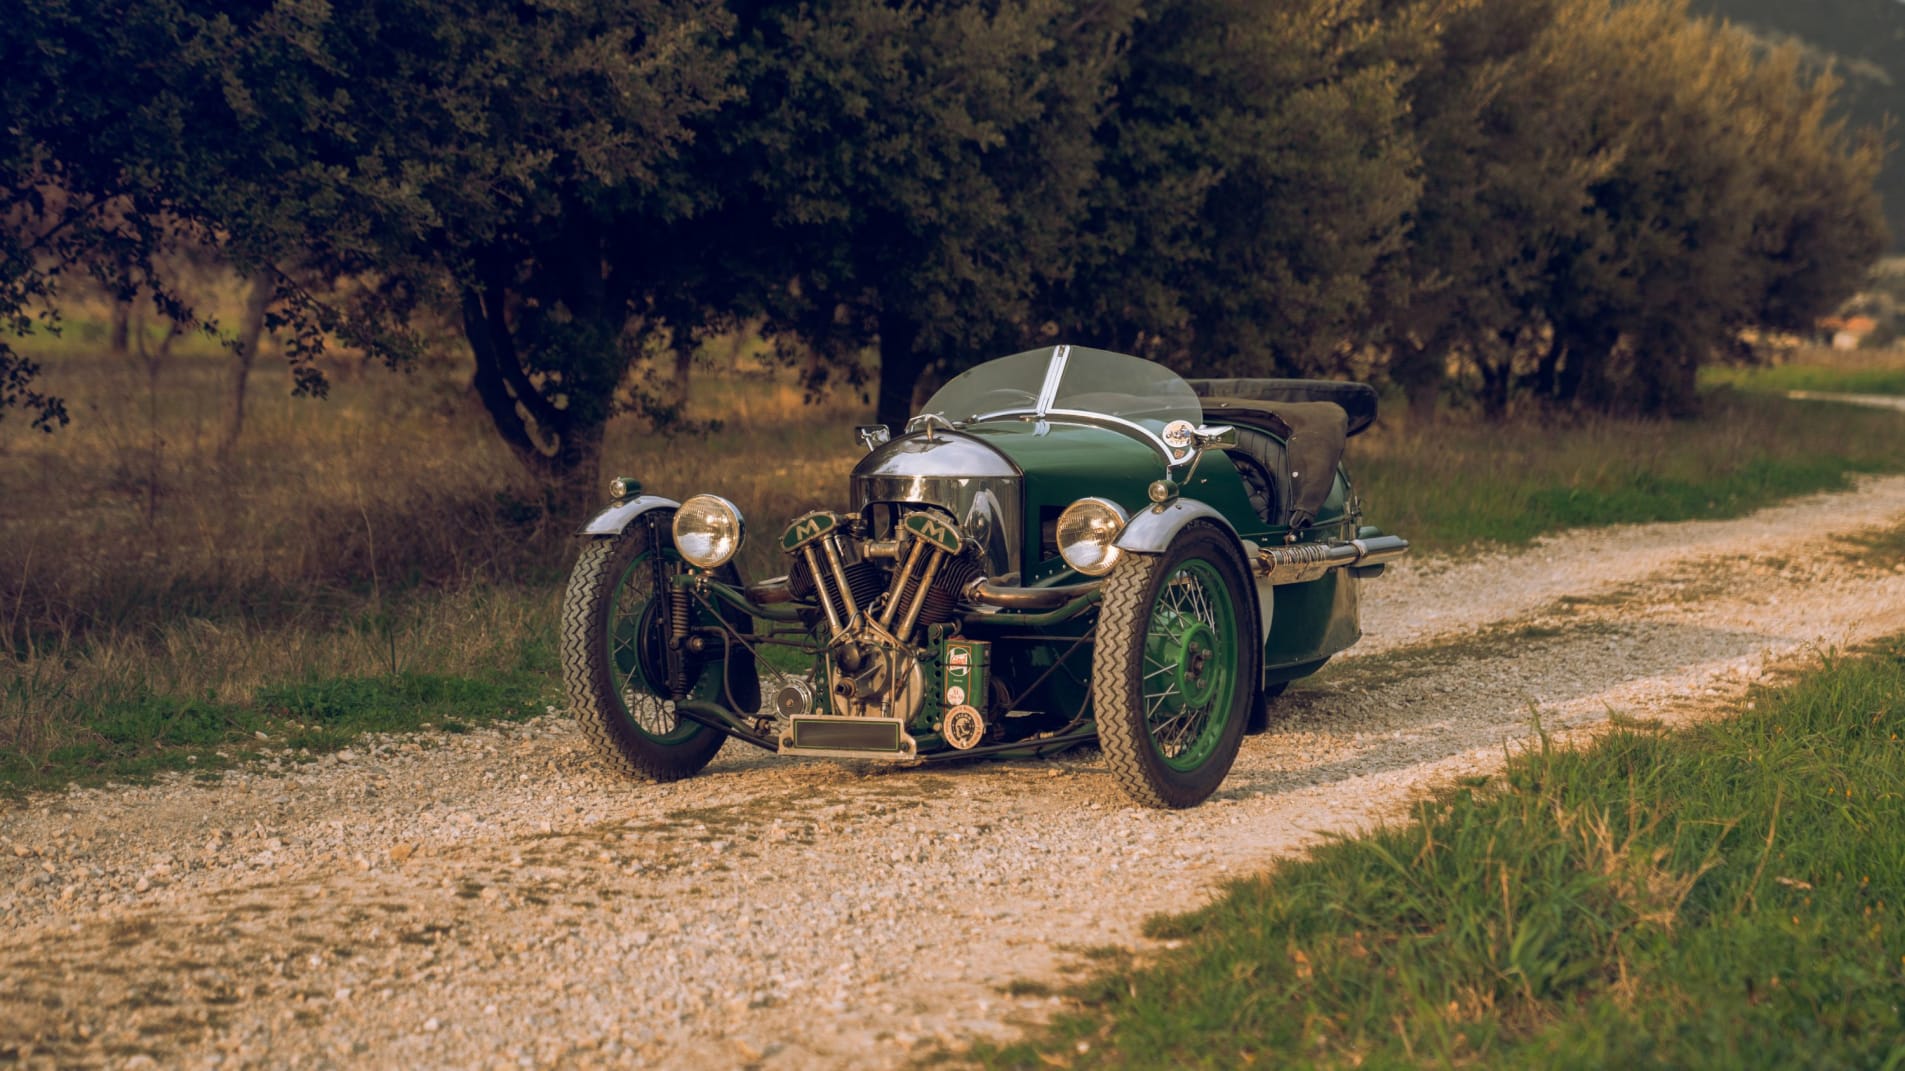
x=614, y=658
x=1176, y=668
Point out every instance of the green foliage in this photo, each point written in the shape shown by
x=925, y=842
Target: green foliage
x=1576, y=202
x=1724, y=897
x=919, y=169
x=1255, y=173
x=1614, y=191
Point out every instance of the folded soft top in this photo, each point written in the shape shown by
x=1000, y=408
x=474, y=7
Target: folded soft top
x=1312, y=416
x=1357, y=400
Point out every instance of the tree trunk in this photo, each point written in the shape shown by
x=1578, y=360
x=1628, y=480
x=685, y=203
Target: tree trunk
x=1418, y=371
x=684, y=347
x=120, y=338
x=559, y=447
x=899, y=369
x=251, y=331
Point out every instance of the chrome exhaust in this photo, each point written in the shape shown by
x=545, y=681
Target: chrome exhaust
x=1297, y=563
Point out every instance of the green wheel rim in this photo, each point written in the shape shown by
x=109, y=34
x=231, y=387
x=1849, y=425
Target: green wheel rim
x=1189, y=675
x=632, y=658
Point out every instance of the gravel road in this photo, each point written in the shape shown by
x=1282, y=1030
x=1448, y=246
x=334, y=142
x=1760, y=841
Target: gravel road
x=492, y=900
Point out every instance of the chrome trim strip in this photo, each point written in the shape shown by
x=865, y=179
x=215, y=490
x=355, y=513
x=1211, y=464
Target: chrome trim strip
x=1053, y=373
x=1092, y=419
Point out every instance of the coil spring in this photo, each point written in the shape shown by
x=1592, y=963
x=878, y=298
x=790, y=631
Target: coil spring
x=680, y=612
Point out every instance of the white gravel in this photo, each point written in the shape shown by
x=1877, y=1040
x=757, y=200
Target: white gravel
x=491, y=899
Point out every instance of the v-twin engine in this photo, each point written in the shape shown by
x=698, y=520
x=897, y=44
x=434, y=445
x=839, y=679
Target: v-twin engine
x=875, y=610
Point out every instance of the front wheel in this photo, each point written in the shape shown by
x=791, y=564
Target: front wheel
x=1176, y=668
x=618, y=666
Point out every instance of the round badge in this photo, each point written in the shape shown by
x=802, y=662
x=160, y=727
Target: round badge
x=955, y=695
x=964, y=727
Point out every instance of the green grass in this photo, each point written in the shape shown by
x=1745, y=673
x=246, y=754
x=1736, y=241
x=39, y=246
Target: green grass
x=1459, y=485
x=1782, y=378
x=221, y=694
x=1725, y=896
x=141, y=734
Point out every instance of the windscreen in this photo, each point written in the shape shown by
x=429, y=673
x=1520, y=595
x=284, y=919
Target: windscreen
x=1058, y=380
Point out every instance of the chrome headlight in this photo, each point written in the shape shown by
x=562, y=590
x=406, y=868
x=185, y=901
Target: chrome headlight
x=1088, y=534
x=708, y=531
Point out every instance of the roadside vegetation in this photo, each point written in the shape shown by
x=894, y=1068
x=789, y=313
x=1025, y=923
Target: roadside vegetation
x=1720, y=896
x=1862, y=371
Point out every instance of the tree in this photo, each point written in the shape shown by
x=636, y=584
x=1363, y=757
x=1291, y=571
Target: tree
x=1255, y=172
x=913, y=170
x=516, y=162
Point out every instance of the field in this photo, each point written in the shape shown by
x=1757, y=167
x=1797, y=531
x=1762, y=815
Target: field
x=377, y=560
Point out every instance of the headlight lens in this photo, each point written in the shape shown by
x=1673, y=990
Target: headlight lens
x=1088, y=533
x=708, y=531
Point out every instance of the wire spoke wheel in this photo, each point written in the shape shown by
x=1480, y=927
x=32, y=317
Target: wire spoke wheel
x=1176, y=667
x=622, y=666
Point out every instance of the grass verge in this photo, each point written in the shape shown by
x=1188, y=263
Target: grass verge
x=1457, y=485
x=1724, y=896
x=201, y=696
x=1863, y=371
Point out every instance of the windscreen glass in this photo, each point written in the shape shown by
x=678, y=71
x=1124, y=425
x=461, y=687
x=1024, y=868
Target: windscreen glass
x=1058, y=380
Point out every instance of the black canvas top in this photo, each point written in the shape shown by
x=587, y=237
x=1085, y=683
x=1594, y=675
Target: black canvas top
x=1357, y=400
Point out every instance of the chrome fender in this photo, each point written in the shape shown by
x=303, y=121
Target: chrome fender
x=1151, y=529
x=616, y=519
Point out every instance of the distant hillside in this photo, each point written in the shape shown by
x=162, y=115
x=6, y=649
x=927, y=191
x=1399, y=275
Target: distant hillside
x=1865, y=41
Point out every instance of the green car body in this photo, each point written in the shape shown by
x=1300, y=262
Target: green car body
x=1058, y=549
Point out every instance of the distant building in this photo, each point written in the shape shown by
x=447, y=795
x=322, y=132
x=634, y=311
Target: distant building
x=1847, y=332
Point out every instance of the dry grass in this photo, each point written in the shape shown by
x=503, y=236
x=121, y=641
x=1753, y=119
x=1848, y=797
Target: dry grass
x=384, y=530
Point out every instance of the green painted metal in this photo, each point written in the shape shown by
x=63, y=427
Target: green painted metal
x=1190, y=664
x=1065, y=462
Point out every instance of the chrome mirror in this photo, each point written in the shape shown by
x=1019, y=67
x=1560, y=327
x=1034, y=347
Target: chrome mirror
x=1223, y=437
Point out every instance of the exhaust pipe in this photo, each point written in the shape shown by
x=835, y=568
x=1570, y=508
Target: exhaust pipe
x=1297, y=563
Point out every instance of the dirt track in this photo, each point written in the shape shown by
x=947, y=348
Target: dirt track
x=492, y=900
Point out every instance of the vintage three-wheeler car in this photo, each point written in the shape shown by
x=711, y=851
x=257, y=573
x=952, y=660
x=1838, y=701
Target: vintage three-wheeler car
x=1066, y=544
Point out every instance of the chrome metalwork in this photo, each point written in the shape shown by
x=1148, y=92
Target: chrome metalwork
x=849, y=738
x=872, y=435
x=830, y=546
x=968, y=479
x=919, y=593
x=898, y=587
x=1093, y=523
x=1054, y=372
x=794, y=698
x=986, y=593
x=613, y=520
x=1301, y=562
x=1151, y=530
x=820, y=588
